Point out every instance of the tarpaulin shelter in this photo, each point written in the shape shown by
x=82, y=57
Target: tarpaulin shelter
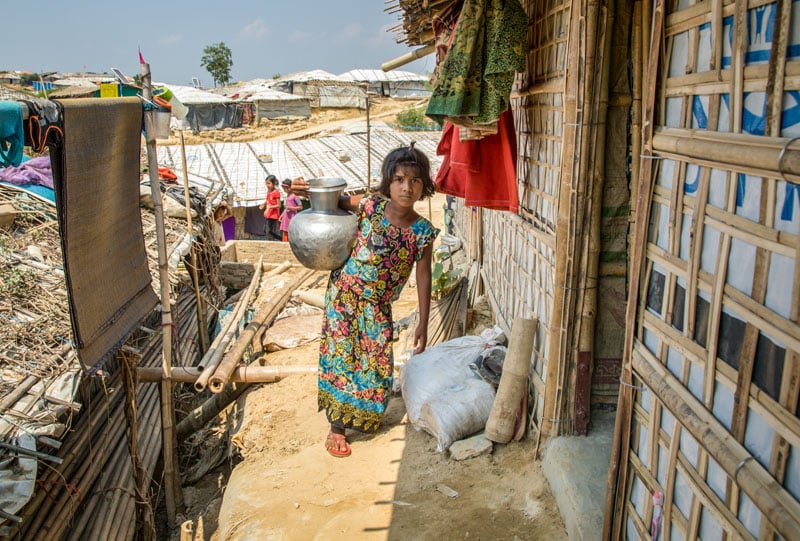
x=322, y=88
x=207, y=110
x=390, y=84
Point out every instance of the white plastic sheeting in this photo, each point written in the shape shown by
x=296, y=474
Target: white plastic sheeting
x=240, y=168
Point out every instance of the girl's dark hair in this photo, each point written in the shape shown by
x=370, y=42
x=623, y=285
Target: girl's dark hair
x=273, y=179
x=409, y=157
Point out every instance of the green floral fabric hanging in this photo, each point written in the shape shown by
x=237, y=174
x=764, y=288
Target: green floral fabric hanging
x=476, y=76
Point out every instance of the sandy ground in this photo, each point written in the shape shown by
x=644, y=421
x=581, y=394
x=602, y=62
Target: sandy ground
x=275, y=481
x=321, y=120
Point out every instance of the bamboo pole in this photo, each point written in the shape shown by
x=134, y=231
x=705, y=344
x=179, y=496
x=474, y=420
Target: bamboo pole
x=617, y=473
x=772, y=157
x=202, y=330
x=588, y=279
x=169, y=444
x=262, y=320
x=240, y=374
x=187, y=531
x=215, y=354
x=408, y=58
x=514, y=381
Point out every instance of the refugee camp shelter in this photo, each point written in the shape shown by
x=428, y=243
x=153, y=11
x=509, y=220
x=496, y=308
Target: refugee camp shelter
x=323, y=89
x=656, y=242
x=207, y=110
x=390, y=84
x=269, y=103
x=10, y=78
x=86, y=324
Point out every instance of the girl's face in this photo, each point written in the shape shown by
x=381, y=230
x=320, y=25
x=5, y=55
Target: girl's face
x=406, y=186
x=270, y=185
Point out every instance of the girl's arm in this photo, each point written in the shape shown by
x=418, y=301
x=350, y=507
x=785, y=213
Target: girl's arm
x=296, y=206
x=350, y=202
x=424, y=297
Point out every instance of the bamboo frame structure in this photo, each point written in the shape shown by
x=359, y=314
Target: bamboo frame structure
x=266, y=312
x=708, y=410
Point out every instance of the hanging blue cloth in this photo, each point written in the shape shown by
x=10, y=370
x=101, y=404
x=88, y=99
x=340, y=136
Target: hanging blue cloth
x=12, y=133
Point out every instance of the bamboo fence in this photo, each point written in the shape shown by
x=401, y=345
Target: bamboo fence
x=708, y=412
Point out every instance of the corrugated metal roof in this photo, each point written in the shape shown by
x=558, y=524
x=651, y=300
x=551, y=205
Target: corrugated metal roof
x=375, y=76
x=240, y=168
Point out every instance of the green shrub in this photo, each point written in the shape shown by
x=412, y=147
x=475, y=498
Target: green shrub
x=414, y=118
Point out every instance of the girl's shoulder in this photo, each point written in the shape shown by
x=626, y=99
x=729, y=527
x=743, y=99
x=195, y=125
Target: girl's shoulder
x=372, y=202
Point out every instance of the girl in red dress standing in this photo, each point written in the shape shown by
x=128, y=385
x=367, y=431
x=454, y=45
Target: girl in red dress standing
x=272, y=209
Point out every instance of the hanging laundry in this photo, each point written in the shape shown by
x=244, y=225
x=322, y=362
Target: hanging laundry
x=474, y=82
x=482, y=172
x=44, y=124
x=34, y=171
x=12, y=133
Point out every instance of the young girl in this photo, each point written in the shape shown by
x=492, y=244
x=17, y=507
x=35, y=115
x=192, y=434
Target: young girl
x=292, y=206
x=356, y=359
x=272, y=209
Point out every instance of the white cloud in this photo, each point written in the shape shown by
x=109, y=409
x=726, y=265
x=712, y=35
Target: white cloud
x=348, y=32
x=299, y=36
x=256, y=30
x=172, y=39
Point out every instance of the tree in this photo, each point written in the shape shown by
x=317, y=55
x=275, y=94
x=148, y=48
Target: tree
x=218, y=60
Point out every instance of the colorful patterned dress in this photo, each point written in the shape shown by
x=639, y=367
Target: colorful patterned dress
x=355, y=355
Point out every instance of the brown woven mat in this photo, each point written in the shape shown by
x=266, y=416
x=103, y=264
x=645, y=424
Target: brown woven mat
x=96, y=176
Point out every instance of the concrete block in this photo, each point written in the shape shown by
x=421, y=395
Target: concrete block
x=470, y=447
x=577, y=469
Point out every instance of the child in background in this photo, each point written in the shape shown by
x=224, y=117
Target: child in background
x=272, y=209
x=356, y=361
x=291, y=207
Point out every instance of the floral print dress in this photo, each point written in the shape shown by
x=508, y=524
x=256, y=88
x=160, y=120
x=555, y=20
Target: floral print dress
x=356, y=358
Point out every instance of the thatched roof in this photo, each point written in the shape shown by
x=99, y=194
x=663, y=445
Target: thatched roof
x=416, y=27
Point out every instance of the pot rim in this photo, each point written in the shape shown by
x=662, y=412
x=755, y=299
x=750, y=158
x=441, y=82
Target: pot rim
x=326, y=184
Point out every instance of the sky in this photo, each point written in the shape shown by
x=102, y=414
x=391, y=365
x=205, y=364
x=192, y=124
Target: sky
x=266, y=37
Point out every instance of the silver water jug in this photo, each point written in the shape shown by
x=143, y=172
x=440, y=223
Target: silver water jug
x=322, y=236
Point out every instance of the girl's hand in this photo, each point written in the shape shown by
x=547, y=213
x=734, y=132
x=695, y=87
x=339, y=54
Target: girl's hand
x=420, y=340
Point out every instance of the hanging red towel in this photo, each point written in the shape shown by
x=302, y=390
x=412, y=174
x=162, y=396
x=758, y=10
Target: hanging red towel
x=483, y=172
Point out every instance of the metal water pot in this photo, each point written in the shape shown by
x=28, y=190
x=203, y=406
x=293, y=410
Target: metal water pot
x=322, y=236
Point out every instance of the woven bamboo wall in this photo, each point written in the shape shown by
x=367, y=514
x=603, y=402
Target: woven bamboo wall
x=518, y=260
x=709, y=414
x=543, y=262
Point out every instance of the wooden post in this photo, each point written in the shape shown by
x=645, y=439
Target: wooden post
x=174, y=499
x=617, y=470
x=202, y=328
x=369, y=144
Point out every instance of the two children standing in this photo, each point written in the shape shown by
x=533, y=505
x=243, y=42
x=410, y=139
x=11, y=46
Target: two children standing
x=277, y=225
